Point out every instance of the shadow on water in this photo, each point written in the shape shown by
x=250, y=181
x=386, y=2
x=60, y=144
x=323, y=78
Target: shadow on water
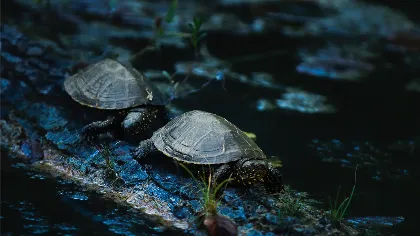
x=35, y=204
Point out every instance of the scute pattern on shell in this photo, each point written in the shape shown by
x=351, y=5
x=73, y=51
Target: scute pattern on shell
x=204, y=138
x=110, y=85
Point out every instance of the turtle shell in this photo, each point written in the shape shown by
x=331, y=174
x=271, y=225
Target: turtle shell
x=204, y=138
x=110, y=85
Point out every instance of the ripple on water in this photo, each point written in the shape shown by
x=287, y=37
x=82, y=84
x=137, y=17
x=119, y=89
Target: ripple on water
x=74, y=195
x=389, y=161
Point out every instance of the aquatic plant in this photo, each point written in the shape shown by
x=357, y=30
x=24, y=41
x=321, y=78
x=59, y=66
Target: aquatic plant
x=216, y=224
x=337, y=212
x=196, y=35
x=210, y=197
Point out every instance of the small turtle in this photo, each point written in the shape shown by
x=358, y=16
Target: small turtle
x=202, y=138
x=109, y=85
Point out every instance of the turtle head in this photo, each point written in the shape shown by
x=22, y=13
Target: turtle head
x=273, y=181
x=252, y=171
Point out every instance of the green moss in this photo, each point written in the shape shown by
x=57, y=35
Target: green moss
x=290, y=206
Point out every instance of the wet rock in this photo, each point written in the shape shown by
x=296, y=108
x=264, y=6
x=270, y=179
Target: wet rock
x=38, y=75
x=64, y=139
x=33, y=149
x=47, y=116
x=272, y=219
x=10, y=134
x=5, y=84
x=35, y=51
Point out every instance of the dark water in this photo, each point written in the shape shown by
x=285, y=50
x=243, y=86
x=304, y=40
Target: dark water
x=36, y=204
x=288, y=134
x=369, y=111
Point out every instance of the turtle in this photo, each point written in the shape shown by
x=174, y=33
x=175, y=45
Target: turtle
x=204, y=138
x=110, y=85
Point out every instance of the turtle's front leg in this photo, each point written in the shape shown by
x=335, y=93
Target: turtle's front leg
x=145, y=147
x=223, y=172
x=94, y=129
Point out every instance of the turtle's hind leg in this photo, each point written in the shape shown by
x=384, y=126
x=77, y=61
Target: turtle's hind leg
x=145, y=147
x=141, y=119
x=94, y=129
x=222, y=173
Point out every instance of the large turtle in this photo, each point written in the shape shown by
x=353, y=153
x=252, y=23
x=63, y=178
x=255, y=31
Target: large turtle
x=110, y=85
x=200, y=137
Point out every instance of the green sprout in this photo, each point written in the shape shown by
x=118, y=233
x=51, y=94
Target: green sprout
x=160, y=32
x=109, y=162
x=209, y=193
x=171, y=12
x=196, y=34
x=337, y=212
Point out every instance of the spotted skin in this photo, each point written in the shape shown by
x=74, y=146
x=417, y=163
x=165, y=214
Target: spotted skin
x=249, y=172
